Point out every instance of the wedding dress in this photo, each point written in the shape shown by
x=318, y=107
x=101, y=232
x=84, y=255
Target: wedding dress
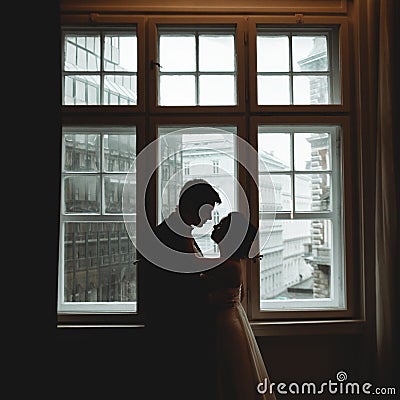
x=240, y=365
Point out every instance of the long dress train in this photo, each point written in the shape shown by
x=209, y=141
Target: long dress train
x=240, y=365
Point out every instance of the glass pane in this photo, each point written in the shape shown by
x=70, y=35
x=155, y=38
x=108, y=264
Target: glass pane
x=217, y=90
x=309, y=53
x=177, y=53
x=312, y=151
x=177, y=90
x=82, y=53
x=273, y=89
x=119, y=152
x=217, y=53
x=191, y=152
x=81, y=153
x=113, y=188
x=282, y=195
x=82, y=90
x=272, y=54
x=98, y=263
x=313, y=192
x=82, y=194
x=296, y=261
x=310, y=89
x=120, y=89
x=304, y=192
x=274, y=150
x=120, y=53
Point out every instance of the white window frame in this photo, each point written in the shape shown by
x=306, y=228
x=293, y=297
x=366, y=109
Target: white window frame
x=107, y=24
x=341, y=72
x=70, y=308
x=199, y=23
x=335, y=216
x=341, y=230
x=199, y=121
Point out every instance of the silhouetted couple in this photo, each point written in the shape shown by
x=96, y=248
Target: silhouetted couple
x=201, y=345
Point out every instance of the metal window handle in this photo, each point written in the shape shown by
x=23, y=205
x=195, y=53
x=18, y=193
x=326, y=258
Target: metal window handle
x=153, y=63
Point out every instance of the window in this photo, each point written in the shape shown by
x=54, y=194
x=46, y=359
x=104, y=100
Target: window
x=300, y=217
x=297, y=66
x=197, y=146
x=197, y=66
x=100, y=68
x=187, y=168
x=97, y=270
x=258, y=106
x=215, y=167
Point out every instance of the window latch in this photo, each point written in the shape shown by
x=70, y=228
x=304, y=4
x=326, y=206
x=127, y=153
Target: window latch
x=153, y=64
x=299, y=18
x=93, y=18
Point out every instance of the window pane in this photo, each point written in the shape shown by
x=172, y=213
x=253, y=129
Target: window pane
x=191, y=152
x=274, y=150
x=82, y=53
x=302, y=251
x=313, y=192
x=309, y=53
x=272, y=54
x=82, y=90
x=120, y=53
x=273, y=89
x=177, y=90
x=193, y=67
x=81, y=153
x=98, y=263
x=296, y=262
x=281, y=194
x=113, y=188
x=216, y=53
x=120, y=89
x=312, y=67
x=82, y=194
x=217, y=90
x=177, y=53
x=312, y=151
x=119, y=152
x=311, y=89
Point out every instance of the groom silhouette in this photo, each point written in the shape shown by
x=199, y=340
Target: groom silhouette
x=175, y=303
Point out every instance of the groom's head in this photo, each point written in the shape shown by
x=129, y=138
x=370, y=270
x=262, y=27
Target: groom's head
x=197, y=200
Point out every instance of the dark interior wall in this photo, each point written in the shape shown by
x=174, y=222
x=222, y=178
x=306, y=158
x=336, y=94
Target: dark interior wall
x=103, y=363
x=312, y=359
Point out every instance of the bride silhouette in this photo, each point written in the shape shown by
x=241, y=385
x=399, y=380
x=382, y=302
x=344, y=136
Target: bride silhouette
x=239, y=364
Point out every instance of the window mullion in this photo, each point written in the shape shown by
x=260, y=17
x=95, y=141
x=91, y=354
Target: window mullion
x=102, y=53
x=292, y=175
x=290, y=69
x=101, y=166
x=197, y=85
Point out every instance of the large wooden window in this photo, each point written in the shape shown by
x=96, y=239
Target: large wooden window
x=255, y=105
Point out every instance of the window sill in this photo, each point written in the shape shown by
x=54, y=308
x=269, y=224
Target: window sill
x=296, y=328
x=286, y=328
